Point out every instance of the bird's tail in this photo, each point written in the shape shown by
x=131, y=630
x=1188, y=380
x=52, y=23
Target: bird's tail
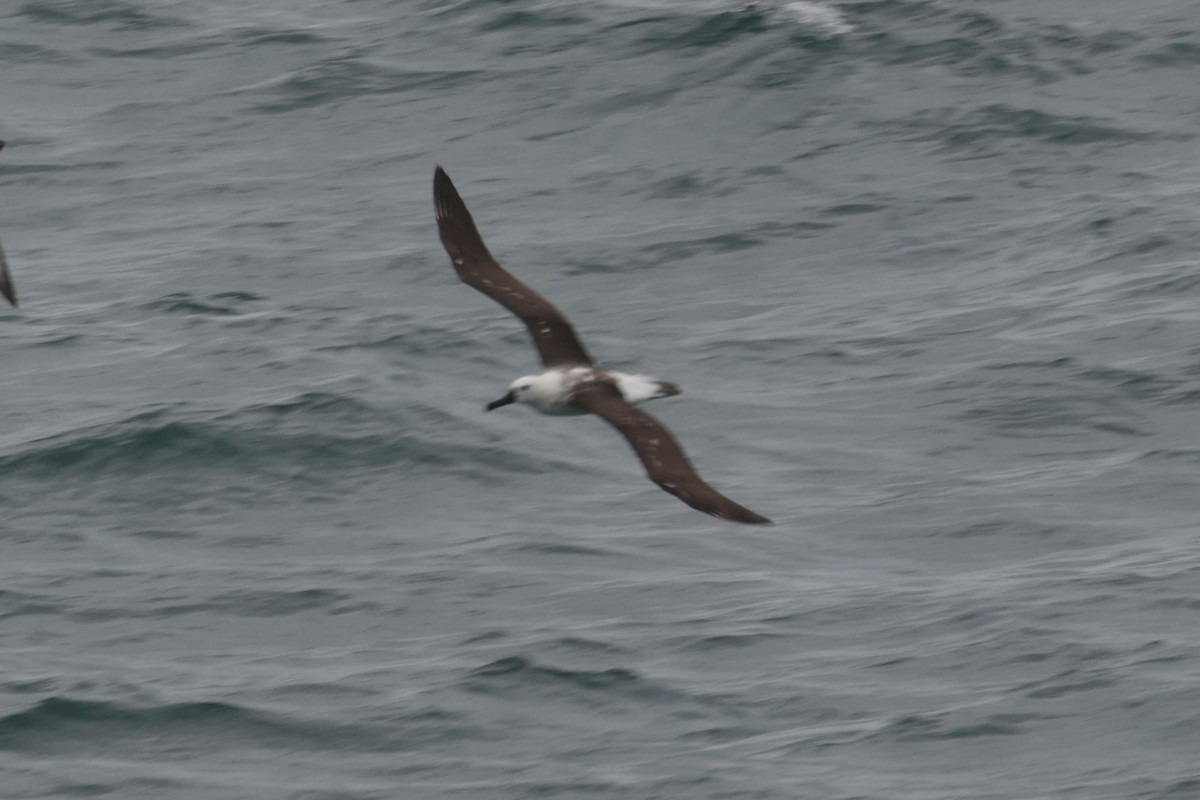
x=666, y=389
x=640, y=388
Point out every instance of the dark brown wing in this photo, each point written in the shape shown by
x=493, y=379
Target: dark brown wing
x=6, y=285
x=552, y=334
x=661, y=455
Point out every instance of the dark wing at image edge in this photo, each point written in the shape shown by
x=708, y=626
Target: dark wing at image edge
x=552, y=334
x=661, y=455
x=6, y=285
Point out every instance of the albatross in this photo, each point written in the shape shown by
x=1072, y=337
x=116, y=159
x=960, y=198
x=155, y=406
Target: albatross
x=571, y=382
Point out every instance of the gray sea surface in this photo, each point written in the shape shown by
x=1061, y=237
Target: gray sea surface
x=926, y=270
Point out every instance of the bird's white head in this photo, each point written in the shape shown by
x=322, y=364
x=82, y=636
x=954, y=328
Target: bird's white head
x=544, y=392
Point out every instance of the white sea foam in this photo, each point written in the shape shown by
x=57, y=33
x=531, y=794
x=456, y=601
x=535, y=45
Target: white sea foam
x=823, y=19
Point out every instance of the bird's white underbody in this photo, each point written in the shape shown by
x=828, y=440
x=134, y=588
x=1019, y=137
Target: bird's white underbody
x=552, y=391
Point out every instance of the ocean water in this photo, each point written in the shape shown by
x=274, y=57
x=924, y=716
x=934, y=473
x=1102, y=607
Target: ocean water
x=926, y=269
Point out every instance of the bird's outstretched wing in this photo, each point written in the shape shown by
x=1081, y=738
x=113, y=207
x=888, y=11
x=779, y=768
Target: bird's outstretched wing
x=660, y=454
x=6, y=285
x=552, y=334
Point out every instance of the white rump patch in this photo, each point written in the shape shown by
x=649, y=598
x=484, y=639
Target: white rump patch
x=637, y=388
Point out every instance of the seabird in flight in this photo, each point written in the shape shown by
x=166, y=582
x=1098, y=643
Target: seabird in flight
x=571, y=382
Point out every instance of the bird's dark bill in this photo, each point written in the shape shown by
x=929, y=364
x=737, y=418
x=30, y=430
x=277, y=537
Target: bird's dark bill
x=503, y=401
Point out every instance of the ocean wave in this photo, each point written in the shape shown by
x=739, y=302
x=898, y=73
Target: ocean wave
x=115, y=14
x=1027, y=399
x=1184, y=55
x=518, y=675
x=717, y=30
x=219, y=304
x=955, y=724
x=315, y=440
x=16, y=53
x=975, y=43
x=983, y=129
x=245, y=603
x=821, y=18
x=235, y=39
x=345, y=76
x=14, y=603
x=57, y=724
x=647, y=27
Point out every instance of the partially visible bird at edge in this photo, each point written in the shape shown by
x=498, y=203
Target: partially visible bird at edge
x=6, y=283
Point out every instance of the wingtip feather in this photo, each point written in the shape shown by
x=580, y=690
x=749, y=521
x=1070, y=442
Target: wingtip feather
x=743, y=515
